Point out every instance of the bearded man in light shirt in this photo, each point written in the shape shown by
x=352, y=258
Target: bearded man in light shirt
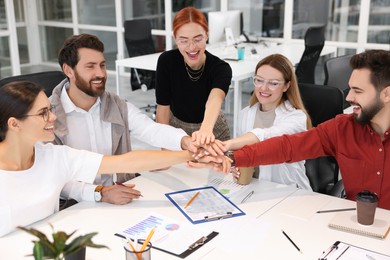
x=90, y=118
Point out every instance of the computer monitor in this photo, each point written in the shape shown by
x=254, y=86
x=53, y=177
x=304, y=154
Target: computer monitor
x=218, y=21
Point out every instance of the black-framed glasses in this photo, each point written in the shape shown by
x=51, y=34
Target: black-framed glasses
x=272, y=84
x=45, y=113
x=183, y=42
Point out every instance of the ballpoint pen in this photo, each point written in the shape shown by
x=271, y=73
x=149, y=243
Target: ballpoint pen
x=192, y=199
x=292, y=242
x=342, y=253
x=121, y=184
x=330, y=250
x=247, y=196
x=335, y=210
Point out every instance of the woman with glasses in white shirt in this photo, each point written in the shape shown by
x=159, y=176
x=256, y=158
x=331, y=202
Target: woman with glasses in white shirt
x=32, y=174
x=275, y=108
x=191, y=83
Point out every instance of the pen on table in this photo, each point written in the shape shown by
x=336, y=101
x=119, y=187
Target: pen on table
x=292, y=242
x=192, y=199
x=335, y=210
x=247, y=196
x=121, y=184
x=342, y=253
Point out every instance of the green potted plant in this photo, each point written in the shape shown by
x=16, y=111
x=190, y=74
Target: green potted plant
x=59, y=249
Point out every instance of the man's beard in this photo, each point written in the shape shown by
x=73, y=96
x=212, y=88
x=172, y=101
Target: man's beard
x=368, y=113
x=86, y=87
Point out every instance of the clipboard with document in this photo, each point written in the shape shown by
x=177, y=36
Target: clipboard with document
x=203, y=204
x=170, y=236
x=341, y=250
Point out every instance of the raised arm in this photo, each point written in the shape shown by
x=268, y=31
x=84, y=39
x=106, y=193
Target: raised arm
x=213, y=107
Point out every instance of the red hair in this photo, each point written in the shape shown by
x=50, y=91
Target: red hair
x=189, y=15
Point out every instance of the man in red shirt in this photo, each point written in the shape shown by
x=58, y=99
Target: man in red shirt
x=359, y=141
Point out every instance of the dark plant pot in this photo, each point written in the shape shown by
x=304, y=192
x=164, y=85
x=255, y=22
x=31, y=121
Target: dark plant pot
x=78, y=255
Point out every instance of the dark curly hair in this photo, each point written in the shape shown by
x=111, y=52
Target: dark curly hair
x=69, y=51
x=378, y=62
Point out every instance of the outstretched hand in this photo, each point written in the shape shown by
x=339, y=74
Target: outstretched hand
x=219, y=163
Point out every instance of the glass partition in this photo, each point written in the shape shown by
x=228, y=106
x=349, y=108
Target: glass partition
x=262, y=18
x=97, y=12
x=153, y=10
x=52, y=39
x=379, y=22
x=58, y=11
x=307, y=13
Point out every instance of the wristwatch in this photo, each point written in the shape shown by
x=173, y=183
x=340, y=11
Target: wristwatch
x=98, y=193
x=230, y=155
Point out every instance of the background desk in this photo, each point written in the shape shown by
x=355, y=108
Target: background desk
x=242, y=70
x=256, y=235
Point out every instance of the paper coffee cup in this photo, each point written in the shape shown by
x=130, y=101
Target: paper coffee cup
x=246, y=174
x=366, y=203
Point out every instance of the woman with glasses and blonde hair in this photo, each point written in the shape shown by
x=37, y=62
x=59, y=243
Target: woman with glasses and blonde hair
x=32, y=174
x=275, y=108
x=191, y=83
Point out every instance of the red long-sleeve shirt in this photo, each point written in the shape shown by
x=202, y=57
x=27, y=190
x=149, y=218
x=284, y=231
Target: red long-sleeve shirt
x=363, y=158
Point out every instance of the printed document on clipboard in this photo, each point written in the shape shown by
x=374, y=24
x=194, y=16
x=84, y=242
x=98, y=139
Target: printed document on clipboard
x=170, y=236
x=204, y=204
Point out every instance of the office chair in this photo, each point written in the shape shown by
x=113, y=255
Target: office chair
x=314, y=43
x=138, y=38
x=48, y=79
x=322, y=103
x=337, y=73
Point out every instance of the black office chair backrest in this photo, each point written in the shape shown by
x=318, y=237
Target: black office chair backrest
x=322, y=103
x=48, y=79
x=139, y=41
x=314, y=43
x=337, y=73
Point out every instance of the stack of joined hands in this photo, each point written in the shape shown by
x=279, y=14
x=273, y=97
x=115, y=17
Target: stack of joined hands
x=210, y=155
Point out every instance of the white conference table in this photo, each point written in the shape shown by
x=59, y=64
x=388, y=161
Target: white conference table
x=242, y=69
x=257, y=235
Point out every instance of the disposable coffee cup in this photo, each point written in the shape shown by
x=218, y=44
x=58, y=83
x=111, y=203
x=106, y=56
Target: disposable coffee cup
x=366, y=203
x=246, y=174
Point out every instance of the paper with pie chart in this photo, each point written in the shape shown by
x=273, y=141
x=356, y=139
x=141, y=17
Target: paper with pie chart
x=170, y=235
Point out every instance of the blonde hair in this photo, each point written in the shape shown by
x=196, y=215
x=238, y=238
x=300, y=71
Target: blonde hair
x=282, y=64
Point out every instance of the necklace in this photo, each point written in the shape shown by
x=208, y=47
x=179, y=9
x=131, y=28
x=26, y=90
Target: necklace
x=194, y=75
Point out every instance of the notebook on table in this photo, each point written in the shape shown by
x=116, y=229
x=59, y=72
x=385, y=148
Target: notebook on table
x=347, y=221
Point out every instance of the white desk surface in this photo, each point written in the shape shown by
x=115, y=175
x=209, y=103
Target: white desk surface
x=255, y=236
x=243, y=69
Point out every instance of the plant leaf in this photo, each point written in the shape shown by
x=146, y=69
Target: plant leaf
x=82, y=241
x=59, y=240
x=37, y=251
x=46, y=246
